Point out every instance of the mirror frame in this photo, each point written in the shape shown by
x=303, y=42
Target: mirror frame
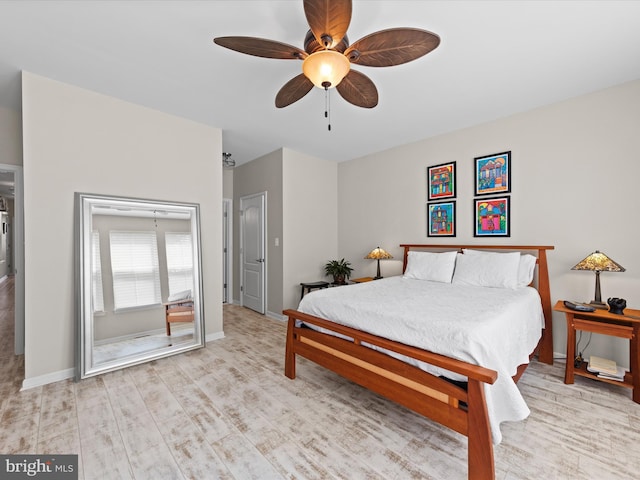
x=85, y=203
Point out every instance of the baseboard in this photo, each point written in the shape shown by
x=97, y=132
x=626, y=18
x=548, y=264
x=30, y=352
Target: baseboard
x=276, y=316
x=52, y=377
x=273, y=315
x=214, y=336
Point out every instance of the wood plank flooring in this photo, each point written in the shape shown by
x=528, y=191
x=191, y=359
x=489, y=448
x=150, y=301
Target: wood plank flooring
x=228, y=412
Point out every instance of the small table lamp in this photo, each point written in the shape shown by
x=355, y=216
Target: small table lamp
x=598, y=262
x=378, y=254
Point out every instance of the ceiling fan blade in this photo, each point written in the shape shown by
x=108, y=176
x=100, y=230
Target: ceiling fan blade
x=392, y=47
x=293, y=90
x=261, y=47
x=358, y=89
x=328, y=20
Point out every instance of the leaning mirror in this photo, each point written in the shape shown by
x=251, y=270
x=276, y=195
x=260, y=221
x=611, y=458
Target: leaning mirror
x=138, y=281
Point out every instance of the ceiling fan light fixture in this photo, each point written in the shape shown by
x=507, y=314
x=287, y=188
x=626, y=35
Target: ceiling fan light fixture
x=326, y=68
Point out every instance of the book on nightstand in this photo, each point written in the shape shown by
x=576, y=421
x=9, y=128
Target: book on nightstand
x=605, y=368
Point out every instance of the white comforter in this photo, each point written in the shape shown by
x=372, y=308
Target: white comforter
x=492, y=327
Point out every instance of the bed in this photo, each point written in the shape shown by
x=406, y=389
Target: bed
x=427, y=380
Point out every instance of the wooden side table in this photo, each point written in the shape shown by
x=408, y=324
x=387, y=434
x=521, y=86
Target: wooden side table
x=362, y=279
x=605, y=323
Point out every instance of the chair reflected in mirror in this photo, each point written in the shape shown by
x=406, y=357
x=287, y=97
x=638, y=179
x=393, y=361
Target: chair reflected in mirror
x=179, y=309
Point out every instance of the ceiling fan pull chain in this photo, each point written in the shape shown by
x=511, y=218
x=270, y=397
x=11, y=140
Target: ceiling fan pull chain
x=327, y=104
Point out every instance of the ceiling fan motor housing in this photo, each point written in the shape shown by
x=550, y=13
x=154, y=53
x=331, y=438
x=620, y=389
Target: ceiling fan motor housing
x=311, y=45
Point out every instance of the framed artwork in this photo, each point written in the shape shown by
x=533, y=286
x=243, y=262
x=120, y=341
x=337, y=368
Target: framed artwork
x=441, y=219
x=441, y=181
x=492, y=217
x=493, y=174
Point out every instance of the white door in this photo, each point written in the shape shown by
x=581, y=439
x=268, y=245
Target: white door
x=252, y=252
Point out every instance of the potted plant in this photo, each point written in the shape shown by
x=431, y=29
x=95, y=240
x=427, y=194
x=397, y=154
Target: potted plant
x=339, y=269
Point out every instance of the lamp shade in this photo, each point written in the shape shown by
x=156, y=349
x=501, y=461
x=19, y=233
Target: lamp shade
x=326, y=68
x=378, y=254
x=598, y=262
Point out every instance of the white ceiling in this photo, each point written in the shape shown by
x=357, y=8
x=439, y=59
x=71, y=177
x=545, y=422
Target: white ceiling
x=496, y=58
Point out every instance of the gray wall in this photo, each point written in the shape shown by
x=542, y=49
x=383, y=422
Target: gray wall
x=574, y=185
x=310, y=219
x=10, y=154
x=261, y=175
x=79, y=141
x=302, y=201
x=10, y=137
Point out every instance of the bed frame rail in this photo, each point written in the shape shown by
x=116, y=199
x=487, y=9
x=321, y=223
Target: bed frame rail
x=431, y=396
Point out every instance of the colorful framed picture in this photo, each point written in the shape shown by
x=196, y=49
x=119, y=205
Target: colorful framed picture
x=493, y=174
x=441, y=181
x=492, y=217
x=441, y=219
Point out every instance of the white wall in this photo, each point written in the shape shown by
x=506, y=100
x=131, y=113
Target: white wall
x=79, y=141
x=575, y=170
x=310, y=206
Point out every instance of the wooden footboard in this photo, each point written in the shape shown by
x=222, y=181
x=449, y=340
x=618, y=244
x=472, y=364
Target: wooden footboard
x=431, y=396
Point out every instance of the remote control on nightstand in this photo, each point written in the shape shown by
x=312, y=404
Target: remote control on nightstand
x=579, y=307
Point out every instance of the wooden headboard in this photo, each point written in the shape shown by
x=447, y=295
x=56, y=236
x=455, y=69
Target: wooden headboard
x=545, y=347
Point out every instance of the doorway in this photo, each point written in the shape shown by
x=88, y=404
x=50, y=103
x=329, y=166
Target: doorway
x=252, y=251
x=227, y=250
x=11, y=189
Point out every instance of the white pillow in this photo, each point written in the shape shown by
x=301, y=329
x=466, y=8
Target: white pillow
x=437, y=267
x=184, y=295
x=487, y=269
x=526, y=267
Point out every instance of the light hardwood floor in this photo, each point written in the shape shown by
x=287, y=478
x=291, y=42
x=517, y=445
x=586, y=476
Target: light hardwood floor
x=227, y=411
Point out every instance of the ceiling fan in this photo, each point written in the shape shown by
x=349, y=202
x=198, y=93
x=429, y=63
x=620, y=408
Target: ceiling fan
x=327, y=55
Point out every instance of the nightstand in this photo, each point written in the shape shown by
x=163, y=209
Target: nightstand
x=362, y=279
x=605, y=323
x=311, y=286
